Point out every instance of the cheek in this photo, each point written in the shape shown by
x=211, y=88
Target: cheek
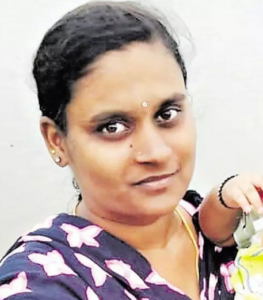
x=186, y=141
x=96, y=162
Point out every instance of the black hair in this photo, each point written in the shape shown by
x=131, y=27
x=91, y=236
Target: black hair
x=72, y=45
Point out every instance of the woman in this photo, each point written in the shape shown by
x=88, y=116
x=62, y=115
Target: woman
x=112, y=90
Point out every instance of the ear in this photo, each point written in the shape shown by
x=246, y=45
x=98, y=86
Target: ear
x=55, y=141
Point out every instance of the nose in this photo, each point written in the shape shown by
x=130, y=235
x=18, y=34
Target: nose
x=152, y=147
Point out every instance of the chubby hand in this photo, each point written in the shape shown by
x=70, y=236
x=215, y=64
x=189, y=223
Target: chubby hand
x=245, y=192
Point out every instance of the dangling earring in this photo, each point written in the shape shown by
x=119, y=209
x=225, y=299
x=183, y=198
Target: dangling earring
x=76, y=186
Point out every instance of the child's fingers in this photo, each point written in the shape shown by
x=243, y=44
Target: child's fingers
x=257, y=180
x=253, y=197
x=242, y=201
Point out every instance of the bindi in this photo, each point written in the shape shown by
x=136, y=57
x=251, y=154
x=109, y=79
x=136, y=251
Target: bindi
x=144, y=104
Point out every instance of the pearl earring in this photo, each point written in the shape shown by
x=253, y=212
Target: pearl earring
x=57, y=159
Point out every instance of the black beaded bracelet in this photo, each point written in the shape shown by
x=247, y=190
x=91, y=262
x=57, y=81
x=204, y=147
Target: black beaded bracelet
x=220, y=197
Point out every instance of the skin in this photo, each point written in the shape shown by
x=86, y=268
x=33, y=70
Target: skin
x=243, y=193
x=108, y=155
x=107, y=160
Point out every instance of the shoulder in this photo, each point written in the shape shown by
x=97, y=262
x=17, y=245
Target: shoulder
x=36, y=271
x=193, y=198
x=40, y=266
x=191, y=202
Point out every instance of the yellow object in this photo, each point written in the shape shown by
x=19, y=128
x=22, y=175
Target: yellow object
x=247, y=280
x=191, y=235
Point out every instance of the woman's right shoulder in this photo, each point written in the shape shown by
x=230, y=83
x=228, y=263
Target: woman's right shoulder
x=36, y=266
x=34, y=270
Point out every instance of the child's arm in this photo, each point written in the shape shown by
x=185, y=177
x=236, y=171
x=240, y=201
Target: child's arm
x=240, y=193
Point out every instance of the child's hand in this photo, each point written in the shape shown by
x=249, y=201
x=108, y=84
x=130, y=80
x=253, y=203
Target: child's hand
x=245, y=192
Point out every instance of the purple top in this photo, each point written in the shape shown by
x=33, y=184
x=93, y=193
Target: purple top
x=67, y=258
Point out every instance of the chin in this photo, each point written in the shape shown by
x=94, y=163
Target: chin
x=157, y=209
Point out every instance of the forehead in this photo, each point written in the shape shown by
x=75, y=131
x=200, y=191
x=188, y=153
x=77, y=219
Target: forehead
x=125, y=78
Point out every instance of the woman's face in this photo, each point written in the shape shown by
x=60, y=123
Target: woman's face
x=131, y=135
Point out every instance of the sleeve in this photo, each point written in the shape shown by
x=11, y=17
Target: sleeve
x=42, y=273
x=37, y=276
x=217, y=257
x=193, y=198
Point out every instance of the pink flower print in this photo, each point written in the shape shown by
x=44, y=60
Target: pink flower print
x=231, y=268
x=201, y=243
x=20, y=249
x=188, y=207
x=98, y=274
x=130, y=295
x=76, y=236
x=133, y=297
x=155, y=278
x=218, y=249
x=202, y=294
x=48, y=223
x=35, y=238
x=91, y=295
x=212, y=286
x=17, y=286
x=126, y=271
x=53, y=263
x=226, y=271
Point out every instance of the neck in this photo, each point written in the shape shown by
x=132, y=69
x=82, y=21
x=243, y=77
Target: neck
x=152, y=235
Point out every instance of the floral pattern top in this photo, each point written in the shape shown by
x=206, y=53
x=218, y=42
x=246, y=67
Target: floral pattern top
x=67, y=257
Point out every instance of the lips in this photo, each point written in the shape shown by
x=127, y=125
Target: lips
x=154, y=178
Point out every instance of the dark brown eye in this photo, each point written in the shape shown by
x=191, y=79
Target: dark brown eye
x=167, y=115
x=113, y=128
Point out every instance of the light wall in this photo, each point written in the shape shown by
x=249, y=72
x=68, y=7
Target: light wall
x=226, y=83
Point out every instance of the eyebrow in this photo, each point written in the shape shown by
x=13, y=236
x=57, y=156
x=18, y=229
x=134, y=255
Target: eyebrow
x=122, y=114
x=175, y=99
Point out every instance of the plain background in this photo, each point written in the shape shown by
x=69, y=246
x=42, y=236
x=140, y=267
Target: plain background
x=226, y=83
